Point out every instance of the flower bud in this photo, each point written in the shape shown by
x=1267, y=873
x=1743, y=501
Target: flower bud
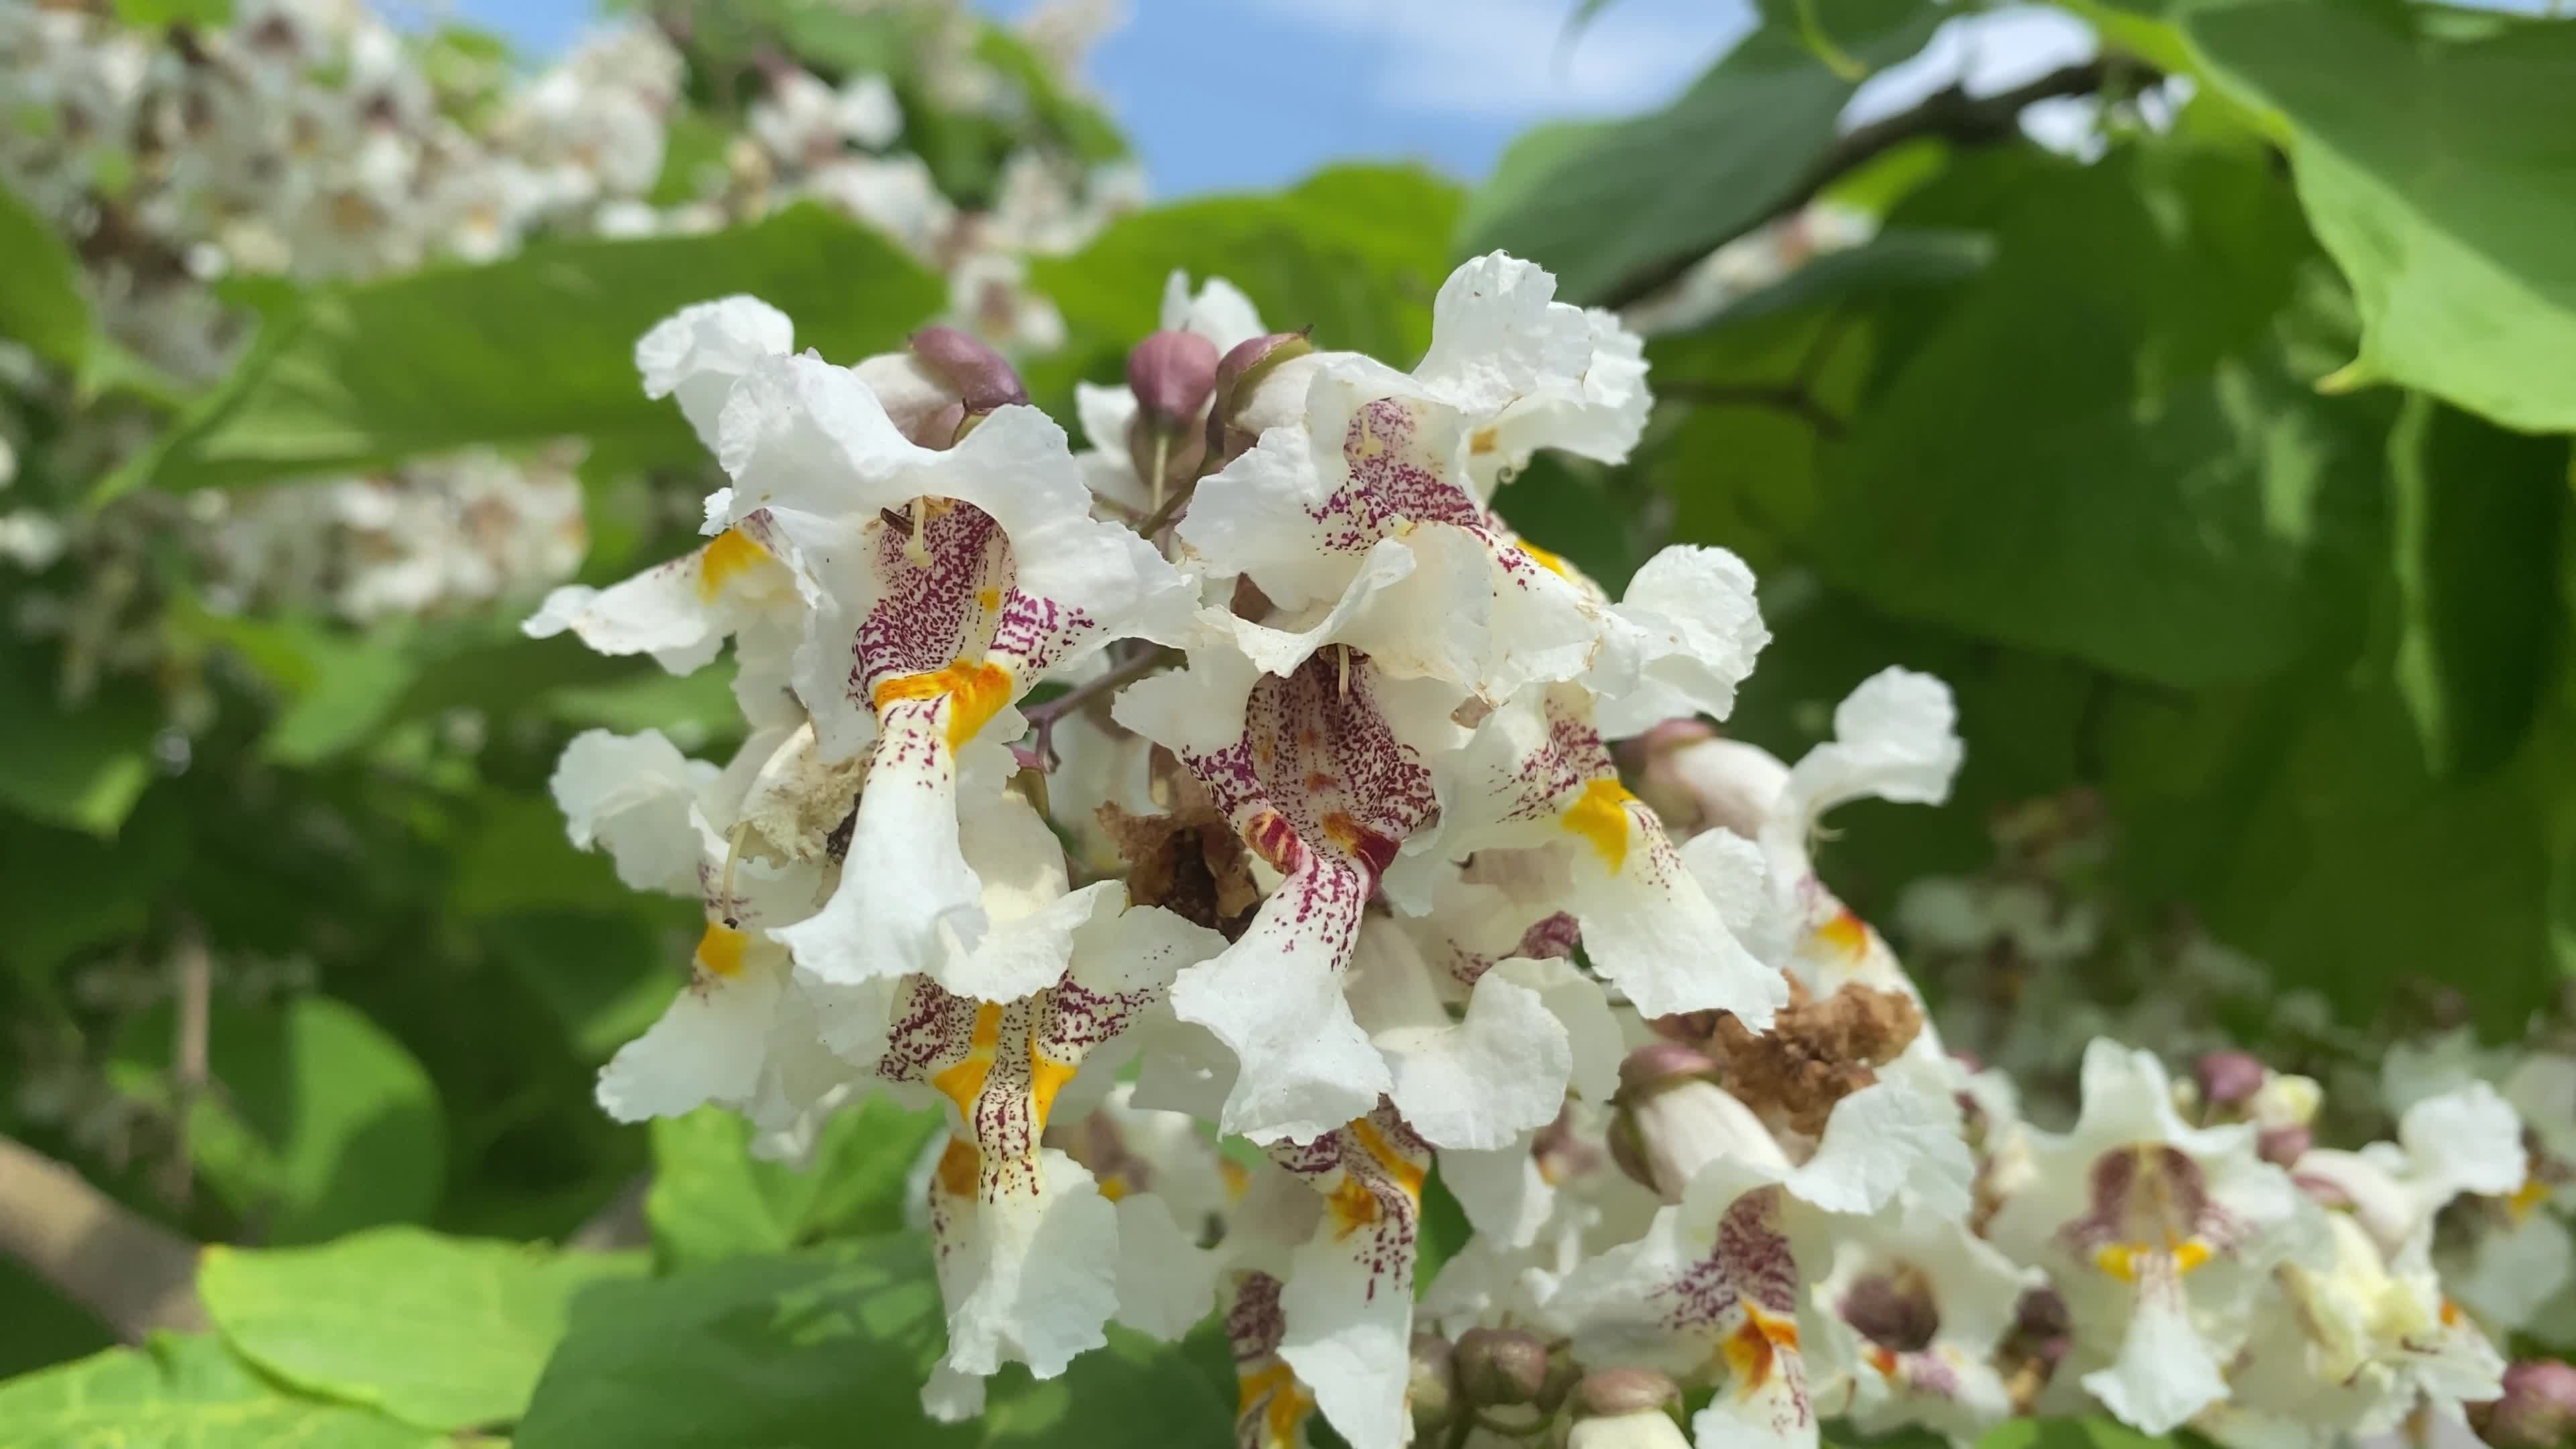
x=1609, y=1393
x=1431, y=1383
x=1248, y=382
x=2284, y=1146
x=2227, y=1078
x=2538, y=1407
x=1647, y=1429
x=1501, y=1366
x=1660, y=1064
x=981, y=378
x=1172, y=375
x=1683, y=1125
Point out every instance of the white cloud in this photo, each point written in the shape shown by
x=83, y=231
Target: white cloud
x=1508, y=60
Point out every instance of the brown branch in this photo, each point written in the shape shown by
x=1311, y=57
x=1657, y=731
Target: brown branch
x=1950, y=113
x=189, y=1073
x=619, y=1224
x=134, y=1274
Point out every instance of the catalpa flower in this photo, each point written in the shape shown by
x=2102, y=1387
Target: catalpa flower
x=1363, y=507
x=1272, y=1406
x=1121, y=466
x=1029, y=1249
x=950, y=583
x=1712, y=1290
x=1910, y=1312
x=2159, y=1235
x=1321, y=773
x=1536, y=776
x=1895, y=738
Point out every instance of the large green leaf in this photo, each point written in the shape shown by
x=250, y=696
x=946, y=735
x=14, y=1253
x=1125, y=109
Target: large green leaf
x=1627, y=204
x=2091, y=1432
x=445, y=1333
x=81, y=765
x=42, y=307
x=539, y=346
x=824, y=1349
x=1354, y=252
x=2477, y=517
x=318, y=1122
x=2434, y=168
x=181, y=1393
x=712, y=1200
x=2095, y=447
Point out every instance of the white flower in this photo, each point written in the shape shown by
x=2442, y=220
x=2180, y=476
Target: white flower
x=1321, y=773
x=2159, y=1235
x=1911, y=1309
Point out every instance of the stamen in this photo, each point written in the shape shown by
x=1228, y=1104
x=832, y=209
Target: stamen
x=724, y=883
x=913, y=547
x=1162, y=460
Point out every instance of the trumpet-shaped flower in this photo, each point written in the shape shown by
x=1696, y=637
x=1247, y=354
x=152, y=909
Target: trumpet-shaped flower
x=2159, y=1235
x=1319, y=774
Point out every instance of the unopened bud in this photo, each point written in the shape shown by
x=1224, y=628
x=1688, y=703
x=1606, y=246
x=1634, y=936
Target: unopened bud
x=1172, y=375
x=1660, y=1064
x=1647, y=1429
x=2284, y=1146
x=981, y=378
x=1682, y=1125
x=1234, y=422
x=1646, y=760
x=1610, y=1392
x=2538, y=1407
x=2227, y=1078
x=1431, y=1383
x=1501, y=1366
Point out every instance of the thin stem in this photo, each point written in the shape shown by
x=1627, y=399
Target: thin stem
x=189, y=1072
x=1042, y=717
x=1790, y=398
x=136, y=1275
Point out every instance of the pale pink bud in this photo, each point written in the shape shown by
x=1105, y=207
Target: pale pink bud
x=1172, y=375
x=2538, y=1407
x=982, y=378
x=2227, y=1078
x=1501, y=1366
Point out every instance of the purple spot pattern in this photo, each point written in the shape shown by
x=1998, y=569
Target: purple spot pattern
x=928, y=617
x=1749, y=1262
x=1254, y=1325
x=934, y=1031
x=2150, y=1194
x=1320, y=787
x=1370, y=1173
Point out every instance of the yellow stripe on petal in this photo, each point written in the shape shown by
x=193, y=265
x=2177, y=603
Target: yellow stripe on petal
x=1601, y=818
x=1047, y=1077
x=959, y=1168
x=1551, y=562
x=1282, y=1402
x=1753, y=1350
x=2530, y=1195
x=964, y=1082
x=1407, y=1173
x=724, y=558
x=976, y=691
x=720, y=950
x=1847, y=935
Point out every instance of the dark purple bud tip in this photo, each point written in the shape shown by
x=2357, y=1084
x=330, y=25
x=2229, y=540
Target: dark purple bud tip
x=1172, y=374
x=983, y=378
x=1609, y=1393
x=2227, y=1078
x=1501, y=1366
x=2538, y=1407
x=1661, y=1063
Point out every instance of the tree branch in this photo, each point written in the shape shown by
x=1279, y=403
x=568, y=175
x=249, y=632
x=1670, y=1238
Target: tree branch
x=135, y=1274
x=1950, y=113
x=1788, y=397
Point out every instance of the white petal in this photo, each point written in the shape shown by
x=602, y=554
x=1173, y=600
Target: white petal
x=1498, y=335
x=2465, y=1140
x=637, y=796
x=1031, y=1279
x=1700, y=630
x=697, y=354
x=1166, y=1281
x=1480, y=1083
x=907, y=898
x=1895, y=737
x=1275, y=999
x=2165, y=1373
x=1578, y=1004
x=708, y=1047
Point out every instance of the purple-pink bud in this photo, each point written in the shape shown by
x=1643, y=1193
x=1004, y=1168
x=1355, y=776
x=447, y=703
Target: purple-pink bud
x=2284, y=1146
x=1172, y=375
x=1238, y=372
x=1661, y=1063
x=2538, y=1407
x=2227, y=1078
x=983, y=378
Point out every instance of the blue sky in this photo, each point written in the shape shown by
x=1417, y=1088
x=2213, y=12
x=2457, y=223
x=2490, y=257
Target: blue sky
x=1229, y=94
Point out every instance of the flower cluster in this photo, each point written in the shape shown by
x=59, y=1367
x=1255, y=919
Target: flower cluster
x=1222, y=828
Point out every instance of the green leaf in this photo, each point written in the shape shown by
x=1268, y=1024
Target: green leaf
x=2096, y=447
x=822, y=1349
x=2091, y=1432
x=319, y=1122
x=1638, y=200
x=1355, y=252
x=1892, y=261
x=444, y=1333
x=181, y=1393
x=174, y=12
x=2477, y=513
x=711, y=1199
x=2434, y=171
x=81, y=766
x=42, y=306
x=358, y=376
